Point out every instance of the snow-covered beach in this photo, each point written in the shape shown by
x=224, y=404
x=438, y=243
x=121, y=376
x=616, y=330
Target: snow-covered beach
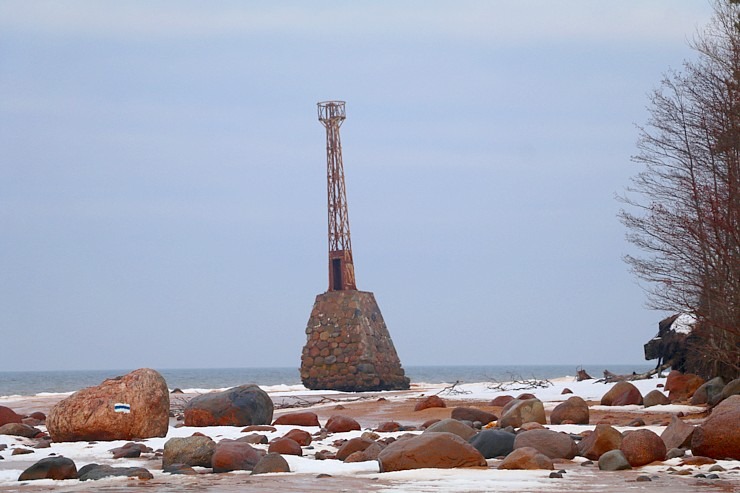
x=370, y=410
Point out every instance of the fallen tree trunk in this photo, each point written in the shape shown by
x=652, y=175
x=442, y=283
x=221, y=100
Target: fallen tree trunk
x=610, y=377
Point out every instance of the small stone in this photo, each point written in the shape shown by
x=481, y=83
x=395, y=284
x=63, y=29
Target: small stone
x=640, y=479
x=717, y=468
x=712, y=476
x=556, y=475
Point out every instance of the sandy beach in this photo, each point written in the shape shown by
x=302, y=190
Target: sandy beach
x=370, y=410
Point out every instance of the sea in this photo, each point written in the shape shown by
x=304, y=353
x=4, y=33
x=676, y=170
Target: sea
x=29, y=383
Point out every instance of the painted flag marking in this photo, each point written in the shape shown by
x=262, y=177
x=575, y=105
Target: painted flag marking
x=120, y=407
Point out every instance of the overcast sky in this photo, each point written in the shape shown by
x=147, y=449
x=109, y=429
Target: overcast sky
x=162, y=176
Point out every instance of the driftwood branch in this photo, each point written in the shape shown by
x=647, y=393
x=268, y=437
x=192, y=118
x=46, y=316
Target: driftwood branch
x=453, y=389
x=610, y=377
x=517, y=383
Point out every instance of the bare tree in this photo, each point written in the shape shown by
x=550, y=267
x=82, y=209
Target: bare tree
x=684, y=206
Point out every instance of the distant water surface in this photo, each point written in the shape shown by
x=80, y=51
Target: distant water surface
x=35, y=382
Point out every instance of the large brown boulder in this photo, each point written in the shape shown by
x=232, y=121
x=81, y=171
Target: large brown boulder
x=132, y=406
x=429, y=402
x=196, y=450
x=526, y=458
x=642, y=447
x=709, y=392
x=551, y=443
x=681, y=386
x=501, y=400
x=7, y=415
x=655, y=398
x=473, y=414
x=57, y=468
x=300, y=418
x=235, y=456
x=622, y=394
x=301, y=437
x=452, y=426
x=603, y=439
x=285, y=446
x=339, y=424
x=353, y=445
x=574, y=411
x=435, y=450
x=677, y=434
x=271, y=463
x=719, y=436
x=238, y=406
x=518, y=412
x=19, y=430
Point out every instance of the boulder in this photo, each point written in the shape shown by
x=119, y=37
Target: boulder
x=301, y=418
x=655, y=398
x=613, y=460
x=551, y=443
x=192, y=451
x=238, y=406
x=622, y=394
x=472, y=414
x=353, y=445
x=231, y=455
x=603, y=439
x=253, y=438
x=453, y=426
x=285, y=446
x=303, y=438
x=251, y=428
x=574, y=410
x=719, y=436
x=428, y=402
x=50, y=468
x=709, y=391
x=642, y=447
x=19, y=430
x=732, y=388
x=501, y=400
x=271, y=463
x=93, y=472
x=518, y=412
x=341, y=424
x=677, y=434
x=493, y=443
x=526, y=458
x=370, y=453
x=388, y=426
x=132, y=406
x=681, y=386
x=430, y=450
x=7, y=415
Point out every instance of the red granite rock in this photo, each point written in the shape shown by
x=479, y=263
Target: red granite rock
x=642, y=447
x=135, y=405
x=501, y=400
x=7, y=415
x=719, y=436
x=677, y=434
x=681, y=386
x=574, y=410
x=301, y=437
x=430, y=450
x=301, y=418
x=473, y=414
x=428, y=402
x=526, y=458
x=339, y=424
x=603, y=439
x=353, y=445
x=285, y=446
x=235, y=456
x=622, y=394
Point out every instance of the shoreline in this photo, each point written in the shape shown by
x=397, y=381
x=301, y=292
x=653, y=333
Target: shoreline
x=371, y=409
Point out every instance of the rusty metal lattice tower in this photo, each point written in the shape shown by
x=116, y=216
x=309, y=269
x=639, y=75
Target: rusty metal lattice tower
x=341, y=267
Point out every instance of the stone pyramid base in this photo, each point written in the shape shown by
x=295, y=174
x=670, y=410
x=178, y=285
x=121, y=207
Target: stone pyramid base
x=348, y=346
